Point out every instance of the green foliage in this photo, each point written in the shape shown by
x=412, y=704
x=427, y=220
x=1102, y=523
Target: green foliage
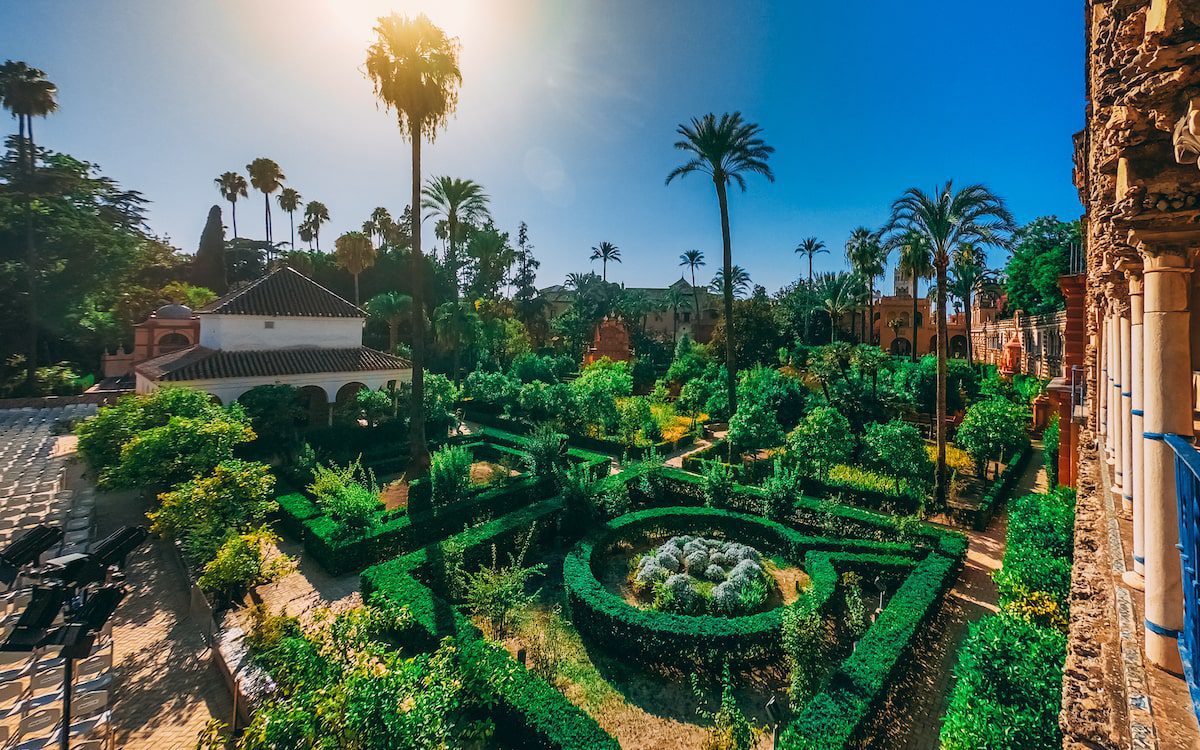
x=1008, y=688
x=718, y=484
x=201, y=512
x=374, y=407
x=494, y=389
x=898, y=450
x=545, y=452
x=580, y=490
x=276, y=414
x=821, y=440
x=450, y=474
x=242, y=562
x=919, y=382
x=690, y=363
x=780, y=394
x=754, y=427
x=596, y=390
x=1037, y=557
x=497, y=594
x=852, y=597
x=731, y=730
x=183, y=448
x=1051, y=438
x=804, y=645
x=1040, y=256
x=780, y=491
x=992, y=429
x=634, y=416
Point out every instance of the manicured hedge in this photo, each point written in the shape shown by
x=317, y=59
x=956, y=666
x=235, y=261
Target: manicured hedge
x=1000, y=489
x=608, y=447
x=654, y=638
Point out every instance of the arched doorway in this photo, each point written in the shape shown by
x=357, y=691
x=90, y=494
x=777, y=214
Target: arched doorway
x=958, y=347
x=345, y=397
x=173, y=342
x=315, y=403
x=900, y=346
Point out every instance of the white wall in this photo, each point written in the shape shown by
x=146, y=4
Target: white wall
x=228, y=389
x=250, y=332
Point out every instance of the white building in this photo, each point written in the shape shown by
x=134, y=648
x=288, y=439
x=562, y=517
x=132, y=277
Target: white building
x=281, y=329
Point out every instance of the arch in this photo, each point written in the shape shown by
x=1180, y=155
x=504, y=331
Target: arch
x=932, y=344
x=171, y=342
x=345, y=398
x=920, y=319
x=315, y=403
x=900, y=345
x=958, y=347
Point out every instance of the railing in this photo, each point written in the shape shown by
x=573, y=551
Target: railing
x=1187, y=488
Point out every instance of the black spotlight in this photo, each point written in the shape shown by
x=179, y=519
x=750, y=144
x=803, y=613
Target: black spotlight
x=26, y=549
x=74, y=570
x=113, y=549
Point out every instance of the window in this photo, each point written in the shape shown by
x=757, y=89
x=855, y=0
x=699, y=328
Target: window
x=687, y=317
x=268, y=324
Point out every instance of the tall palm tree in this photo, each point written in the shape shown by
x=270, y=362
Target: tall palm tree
x=354, y=252
x=455, y=324
x=392, y=308
x=741, y=282
x=266, y=177
x=457, y=201
x=379, y=225
x=917, y=263
x=305, y=231
x=949, y=218
x=810, y=246
x=289, y=201
x=604, y=252
x=27, y=93
x=868, y=256
x=839, y=293
x=414, y=68
x=232, y=185
x=726, y=149
x=316, y=214
x=693, y=259
x=676, y=298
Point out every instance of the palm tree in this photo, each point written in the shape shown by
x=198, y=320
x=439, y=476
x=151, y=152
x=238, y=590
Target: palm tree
x=741, y=282
x=917, y=263
x=457, y=201
x=455, y=324
x=604, y=252
x=392, y=308
x=27, y=93
x=315, y=214
x=232, y=185
x=379, y=226
x=305, y=231
x=839, y=293
x=949, y=218
x=810, y=246
x=725, y=149
x=289, y=200
x=414, y=68
x=868, y=256
x=969, y=277
x=895, y=323
x=354, y=252
x=266, y=177
x=676, y=298
x=693, y=259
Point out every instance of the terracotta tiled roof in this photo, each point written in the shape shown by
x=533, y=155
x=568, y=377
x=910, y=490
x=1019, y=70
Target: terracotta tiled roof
x=200, y=363
x=284, y=292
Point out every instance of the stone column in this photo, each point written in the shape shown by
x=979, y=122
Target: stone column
x=1102, y=381
x=1114, y=396
x=1137, y=386
x=1125, y=476
x=1167, y=377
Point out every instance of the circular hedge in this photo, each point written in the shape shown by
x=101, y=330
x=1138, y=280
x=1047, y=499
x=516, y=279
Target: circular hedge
x=658, y=638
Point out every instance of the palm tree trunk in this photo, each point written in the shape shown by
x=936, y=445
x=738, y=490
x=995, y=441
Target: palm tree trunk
x=31, y=263
x=967, y=324
x=832, y=328
x=393, y=336
x=810, y=270
x=267, y=221
x=727, y=261
x=871, y=311
x=942, y=348
x=356, y=290
x=452, y=252
x=317, y=235
x=913, y=349
x=292, y=224
x=233, y=215
x=418, y=449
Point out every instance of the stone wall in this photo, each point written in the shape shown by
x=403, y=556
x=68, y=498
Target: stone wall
x=1042, y=338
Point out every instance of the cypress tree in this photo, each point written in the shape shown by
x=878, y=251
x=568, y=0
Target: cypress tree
x=208, y=268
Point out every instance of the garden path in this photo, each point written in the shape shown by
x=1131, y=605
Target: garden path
x=918, y=723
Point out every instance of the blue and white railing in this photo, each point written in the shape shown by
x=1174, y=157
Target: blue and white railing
x=1187, y=487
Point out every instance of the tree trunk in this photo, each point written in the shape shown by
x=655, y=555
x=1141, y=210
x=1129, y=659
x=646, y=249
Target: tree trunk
x=267, y=220
x=967, y=322
x=418, y=449
x=393, y=336
x=942, y=348
x=727, y=261
x=31, y=265
x=452, y=252
x=914, y=317
x=292, y=223
x=356, y=290
x=871, y=311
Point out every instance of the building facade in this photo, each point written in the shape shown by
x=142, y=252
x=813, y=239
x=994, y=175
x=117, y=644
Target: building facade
x=1136, y=171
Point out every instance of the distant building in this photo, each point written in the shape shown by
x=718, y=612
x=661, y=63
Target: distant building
x=661, y=323
x=284, y=329
x=168, y=329
x=897, y=332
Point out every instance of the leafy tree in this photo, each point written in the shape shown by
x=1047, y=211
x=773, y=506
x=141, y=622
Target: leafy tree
x=897, y=449
x=596, y=390
x=839, y=294
x=102, y=436
x=822, y=440
x=756, y=334
x=276, y=414
x=208, y=268
x=1041, y=253
x=754, y=427
x=726, y=149
x=545, y=452
x=778, y=393
x=459, y=202
x=491, y=255
x=183, y=448
x=414, y=68
x=528, y=303
x=992, y=429
x=234, y=496
x=949, y=219
x=457, y=326
x=242, y=562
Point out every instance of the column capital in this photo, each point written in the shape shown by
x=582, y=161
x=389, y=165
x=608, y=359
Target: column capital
x=1169, y=257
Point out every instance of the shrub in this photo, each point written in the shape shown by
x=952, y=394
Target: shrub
x=493, y=389
x=780, y=491
x=1008, y=688
x=183, y=448
x=354, y=507
x=545, y=452
x=242, y=562
x=804, y=647
x=718, y=484
x=754, y=427
x=596, y=390
x=102, y=436
x=580, y=492
x=898, y=450
x=731, y=730
x=635, y=414
x=450, y=474
x=496, y=594
x=821, y=440
x=992, y=429
x=1050, y=447
x=779, y=394
x=200, y=513
x=529, y=367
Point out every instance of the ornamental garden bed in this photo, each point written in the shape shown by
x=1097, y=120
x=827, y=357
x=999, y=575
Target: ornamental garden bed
x=600, y=669
x=610, y=447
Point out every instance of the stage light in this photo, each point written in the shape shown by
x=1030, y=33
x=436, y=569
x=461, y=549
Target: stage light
x=38, y=616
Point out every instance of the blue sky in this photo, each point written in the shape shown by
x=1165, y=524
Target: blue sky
x=568, y=109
